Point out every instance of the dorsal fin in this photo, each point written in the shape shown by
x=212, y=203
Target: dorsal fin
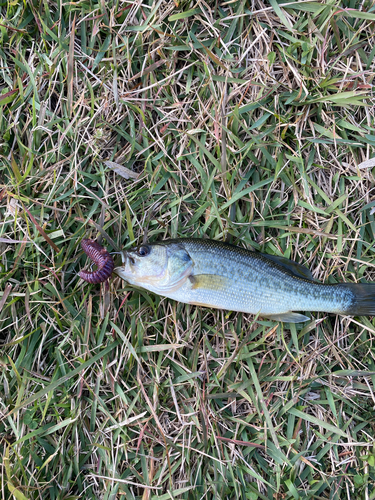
x=291, y=267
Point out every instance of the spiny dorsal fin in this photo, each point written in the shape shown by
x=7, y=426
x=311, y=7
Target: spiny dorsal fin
x=292, y=267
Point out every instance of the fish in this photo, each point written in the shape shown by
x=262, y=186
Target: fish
x=215, y=274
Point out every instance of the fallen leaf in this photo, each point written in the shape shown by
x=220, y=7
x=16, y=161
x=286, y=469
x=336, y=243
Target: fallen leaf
x=125, y=172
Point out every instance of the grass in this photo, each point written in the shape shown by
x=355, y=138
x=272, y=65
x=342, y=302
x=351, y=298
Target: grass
x=240, y=121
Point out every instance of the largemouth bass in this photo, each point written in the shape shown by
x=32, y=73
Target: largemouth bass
x=213, y=274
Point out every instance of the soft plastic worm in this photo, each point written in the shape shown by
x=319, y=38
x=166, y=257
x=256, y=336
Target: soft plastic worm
x=101, y=258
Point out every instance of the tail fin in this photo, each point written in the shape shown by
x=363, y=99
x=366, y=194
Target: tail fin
x=363, y=300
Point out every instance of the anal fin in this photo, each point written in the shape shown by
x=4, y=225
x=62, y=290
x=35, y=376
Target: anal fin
x=288, y=317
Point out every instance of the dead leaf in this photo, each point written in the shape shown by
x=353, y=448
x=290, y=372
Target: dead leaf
x=125, y=172
x=367, y=163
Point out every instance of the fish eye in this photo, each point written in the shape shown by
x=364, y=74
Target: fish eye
x=143, y=250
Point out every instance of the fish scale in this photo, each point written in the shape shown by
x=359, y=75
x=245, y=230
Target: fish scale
x=220, y=275
x=254, y=283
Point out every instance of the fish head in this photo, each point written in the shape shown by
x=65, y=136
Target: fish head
x=159, y=267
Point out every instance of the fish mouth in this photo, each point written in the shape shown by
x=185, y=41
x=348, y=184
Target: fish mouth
x=120, y=270
x=125, y=257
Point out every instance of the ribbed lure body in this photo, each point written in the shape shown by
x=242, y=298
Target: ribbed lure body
x=103, y=260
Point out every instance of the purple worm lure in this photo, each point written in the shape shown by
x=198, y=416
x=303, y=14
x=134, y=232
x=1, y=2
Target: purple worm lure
x=101, y=257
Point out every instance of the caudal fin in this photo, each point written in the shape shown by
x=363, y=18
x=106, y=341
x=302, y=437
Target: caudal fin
x=363, y=299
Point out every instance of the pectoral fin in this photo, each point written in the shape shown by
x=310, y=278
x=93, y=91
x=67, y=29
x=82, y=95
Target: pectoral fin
x=209, y=282
x=292, y=267
x=288, y=317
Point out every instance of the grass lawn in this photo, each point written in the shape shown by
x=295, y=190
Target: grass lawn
x=132, y=120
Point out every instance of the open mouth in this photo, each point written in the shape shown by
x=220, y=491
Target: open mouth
x=131, y=259
x=123, y=269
